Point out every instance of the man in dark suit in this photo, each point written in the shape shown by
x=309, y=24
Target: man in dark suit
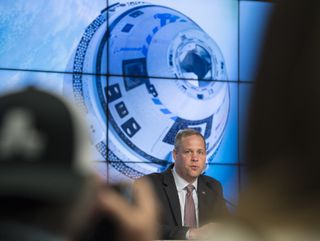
x=207, y=202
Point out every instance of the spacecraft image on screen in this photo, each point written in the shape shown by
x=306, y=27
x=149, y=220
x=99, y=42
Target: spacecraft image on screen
x=139, y=71
x=162, y=68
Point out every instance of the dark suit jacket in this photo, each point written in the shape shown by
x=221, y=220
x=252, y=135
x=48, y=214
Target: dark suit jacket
x=210, y=200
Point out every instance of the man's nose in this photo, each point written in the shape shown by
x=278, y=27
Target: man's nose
x=195, y=156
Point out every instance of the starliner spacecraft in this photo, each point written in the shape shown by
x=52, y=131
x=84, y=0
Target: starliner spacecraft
x=142, y=72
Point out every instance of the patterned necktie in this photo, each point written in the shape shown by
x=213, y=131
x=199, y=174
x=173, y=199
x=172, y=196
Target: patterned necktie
x=189, y=209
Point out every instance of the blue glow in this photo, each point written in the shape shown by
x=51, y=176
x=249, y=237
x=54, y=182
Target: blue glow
x=254, y=17
x=168, y=60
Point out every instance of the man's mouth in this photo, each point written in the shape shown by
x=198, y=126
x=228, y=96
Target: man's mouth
x=194, y=167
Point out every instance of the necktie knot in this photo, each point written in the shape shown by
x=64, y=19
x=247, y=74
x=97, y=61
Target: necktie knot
x=189, y=188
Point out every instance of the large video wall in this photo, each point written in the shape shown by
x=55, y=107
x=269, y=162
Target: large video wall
x=141, y=71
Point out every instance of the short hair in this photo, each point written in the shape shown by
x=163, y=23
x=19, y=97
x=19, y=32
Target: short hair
x=185, y=133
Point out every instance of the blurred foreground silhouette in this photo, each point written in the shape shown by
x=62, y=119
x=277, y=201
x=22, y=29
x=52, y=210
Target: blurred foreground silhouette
x=48, y=190
x=281, y=201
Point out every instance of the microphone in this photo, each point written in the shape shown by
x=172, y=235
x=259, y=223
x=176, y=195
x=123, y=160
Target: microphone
x=220, y=195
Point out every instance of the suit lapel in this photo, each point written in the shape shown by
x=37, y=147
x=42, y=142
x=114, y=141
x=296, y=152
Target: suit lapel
x=204, y=195
x=172, y=194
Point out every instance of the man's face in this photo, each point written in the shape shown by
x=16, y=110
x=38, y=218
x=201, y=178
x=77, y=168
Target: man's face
x=190, y=157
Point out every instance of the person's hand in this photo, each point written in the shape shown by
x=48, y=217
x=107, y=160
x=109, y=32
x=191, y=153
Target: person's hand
x=204, y=232
x=138, y=221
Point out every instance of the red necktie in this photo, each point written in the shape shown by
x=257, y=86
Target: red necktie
x=189, y=209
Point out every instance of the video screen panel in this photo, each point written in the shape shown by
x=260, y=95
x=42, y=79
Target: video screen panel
x=44, y=34
x=14, y=80
x=253, y=21
x=59, y=83
x=174, y=39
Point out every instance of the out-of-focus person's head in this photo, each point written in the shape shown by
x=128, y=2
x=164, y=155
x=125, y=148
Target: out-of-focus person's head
x=189, y=154
x=284, y=122
x=45, y=175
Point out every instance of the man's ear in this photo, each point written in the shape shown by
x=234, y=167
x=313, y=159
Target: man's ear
x=174, y=154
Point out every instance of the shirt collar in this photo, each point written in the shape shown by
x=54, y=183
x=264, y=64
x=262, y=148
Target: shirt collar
x=180, y=182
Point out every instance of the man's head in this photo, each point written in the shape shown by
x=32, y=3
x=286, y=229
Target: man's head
x=189, y=154
x=44, y=160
